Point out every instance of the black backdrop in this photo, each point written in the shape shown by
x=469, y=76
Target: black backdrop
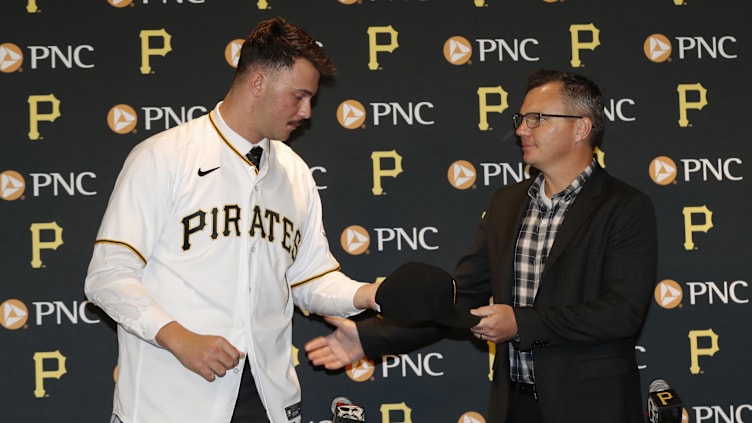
x=413, y=171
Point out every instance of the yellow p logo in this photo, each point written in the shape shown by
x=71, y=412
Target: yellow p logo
x=484, y=108
x=696, y=351
x=374, y=47
x=41, y=374
x=578, y=45
x=690, y=228
x=147, y=51
x=379, y=173
x=37, y=245
x=35, y=116
x=684, y=104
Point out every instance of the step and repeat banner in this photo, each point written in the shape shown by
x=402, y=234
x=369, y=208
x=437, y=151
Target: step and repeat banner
x=406, y=146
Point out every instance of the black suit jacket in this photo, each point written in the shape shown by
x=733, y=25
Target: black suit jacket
x=592, y=299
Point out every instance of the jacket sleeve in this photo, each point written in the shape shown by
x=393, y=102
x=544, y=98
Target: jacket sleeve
x=380, y=336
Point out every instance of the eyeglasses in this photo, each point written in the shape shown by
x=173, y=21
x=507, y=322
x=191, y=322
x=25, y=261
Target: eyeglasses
x=533, y=119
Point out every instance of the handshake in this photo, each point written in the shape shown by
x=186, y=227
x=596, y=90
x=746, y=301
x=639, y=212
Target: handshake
x=414, y=292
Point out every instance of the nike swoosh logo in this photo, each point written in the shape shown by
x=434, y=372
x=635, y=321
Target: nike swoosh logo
x=206, y=172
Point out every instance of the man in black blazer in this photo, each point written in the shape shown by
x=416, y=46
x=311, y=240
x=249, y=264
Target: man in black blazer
x=568, y=259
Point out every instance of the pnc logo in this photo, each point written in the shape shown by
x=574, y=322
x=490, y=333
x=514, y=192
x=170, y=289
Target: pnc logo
x=471, y=417
x=120, y=3
x=11, y=58
x=355, y=240
x=351, y=114
x=668, y=294
x=362, y=370
x=13, y=314
x=12, y=185
x=462, y=174
x=122, y=119
x=663, y=170
x=458, y=50
x=232, y=52
x=657, y=48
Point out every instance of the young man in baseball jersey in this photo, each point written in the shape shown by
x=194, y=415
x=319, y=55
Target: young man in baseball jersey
x=202, y=253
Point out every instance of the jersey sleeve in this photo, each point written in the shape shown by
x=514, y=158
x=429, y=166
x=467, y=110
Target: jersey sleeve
x=318, y=285
x=128, y=233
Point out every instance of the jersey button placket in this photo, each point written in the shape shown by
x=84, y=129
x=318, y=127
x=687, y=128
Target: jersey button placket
x=254, y=200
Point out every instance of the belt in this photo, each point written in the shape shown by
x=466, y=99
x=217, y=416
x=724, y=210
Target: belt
x=524, y=388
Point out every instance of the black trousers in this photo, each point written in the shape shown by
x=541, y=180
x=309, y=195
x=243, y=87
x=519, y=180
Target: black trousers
x=248, y=408
x=523, y=408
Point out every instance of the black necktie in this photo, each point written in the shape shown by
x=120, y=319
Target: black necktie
x=255, y=156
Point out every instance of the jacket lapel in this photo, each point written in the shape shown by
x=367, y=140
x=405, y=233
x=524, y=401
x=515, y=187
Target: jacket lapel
x=587, y=202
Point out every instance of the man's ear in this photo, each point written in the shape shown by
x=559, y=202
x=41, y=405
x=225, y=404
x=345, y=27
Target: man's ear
x=256, y=82
x=584, y=128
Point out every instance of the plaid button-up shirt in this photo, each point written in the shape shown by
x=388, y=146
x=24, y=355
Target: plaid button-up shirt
x=541, y=222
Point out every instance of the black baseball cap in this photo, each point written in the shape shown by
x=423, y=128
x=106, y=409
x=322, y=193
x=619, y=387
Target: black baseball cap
x=420, y=292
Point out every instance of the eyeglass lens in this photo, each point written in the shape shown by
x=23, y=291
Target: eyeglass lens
x=532, y=120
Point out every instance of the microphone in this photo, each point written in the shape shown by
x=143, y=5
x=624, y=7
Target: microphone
x=664, y=404
x=344, y=411
x=339, y=401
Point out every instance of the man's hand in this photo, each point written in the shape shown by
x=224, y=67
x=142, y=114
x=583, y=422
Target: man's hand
x=497, y=323
x=365, y=297
x=338, y=349
x=207, y=355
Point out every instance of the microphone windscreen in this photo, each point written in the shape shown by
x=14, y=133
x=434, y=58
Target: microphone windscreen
x=658, y=385
x=339, y=400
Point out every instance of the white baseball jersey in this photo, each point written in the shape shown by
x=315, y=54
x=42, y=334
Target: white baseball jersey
x=193, y=234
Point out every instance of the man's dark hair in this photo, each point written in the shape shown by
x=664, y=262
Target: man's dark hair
x=581, y=95
x=275, y=44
